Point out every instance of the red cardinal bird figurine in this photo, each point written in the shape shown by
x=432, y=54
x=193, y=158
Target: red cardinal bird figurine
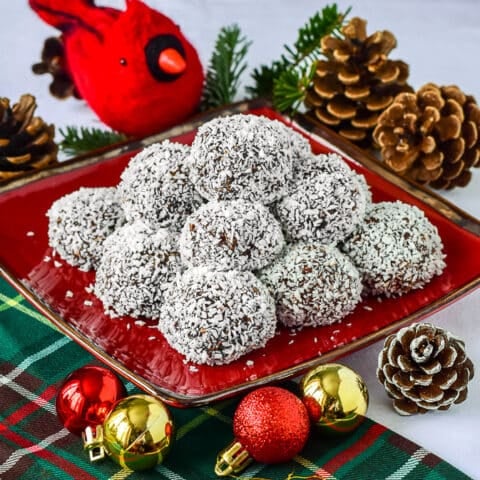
x=134, y=68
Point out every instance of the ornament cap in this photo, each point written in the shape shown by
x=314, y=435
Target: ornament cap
x=232, y=459
x=93, y=443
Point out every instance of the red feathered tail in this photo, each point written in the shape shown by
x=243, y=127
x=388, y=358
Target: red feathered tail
x=74, y=14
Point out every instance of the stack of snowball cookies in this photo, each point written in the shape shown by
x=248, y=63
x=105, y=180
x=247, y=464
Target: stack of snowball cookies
x=246, y=229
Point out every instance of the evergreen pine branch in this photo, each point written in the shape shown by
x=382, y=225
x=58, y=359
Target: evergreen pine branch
x=226, y=66
x=323, y=23
x=292, y=64
x=78, y=140
x=264, y=77
x=291, y=87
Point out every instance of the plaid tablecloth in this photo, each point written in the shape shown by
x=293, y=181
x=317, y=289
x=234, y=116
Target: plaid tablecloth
x=35, y=358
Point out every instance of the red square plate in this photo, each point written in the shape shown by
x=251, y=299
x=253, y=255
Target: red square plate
x=139, y=352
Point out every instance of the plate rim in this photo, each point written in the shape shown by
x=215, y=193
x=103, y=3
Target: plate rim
x=435, y=201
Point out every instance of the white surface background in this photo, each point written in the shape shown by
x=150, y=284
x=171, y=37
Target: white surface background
x=438, y=38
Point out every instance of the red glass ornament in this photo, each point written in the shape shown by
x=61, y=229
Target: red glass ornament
x=270, y=425
x=86, y=397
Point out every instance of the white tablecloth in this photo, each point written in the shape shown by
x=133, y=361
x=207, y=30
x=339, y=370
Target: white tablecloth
x=438, y=38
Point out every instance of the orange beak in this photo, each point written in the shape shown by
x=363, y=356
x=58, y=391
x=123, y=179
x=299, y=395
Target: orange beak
x=170, y=61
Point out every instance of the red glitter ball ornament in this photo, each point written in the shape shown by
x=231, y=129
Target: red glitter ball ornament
x=86, y=397
x=272, y=424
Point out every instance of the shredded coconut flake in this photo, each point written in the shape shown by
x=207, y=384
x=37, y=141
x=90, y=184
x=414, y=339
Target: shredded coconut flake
x=324, y=208
x=313, y=285
x=215, y=317
x=155, y=187
x=57, y=264
x=241, y=156
x=88, y=303
x=80, y=222
x=231, y=235
x=396, y=249
x=30, y=234
x=69, y=294
x=311, y=165
x=137, y=265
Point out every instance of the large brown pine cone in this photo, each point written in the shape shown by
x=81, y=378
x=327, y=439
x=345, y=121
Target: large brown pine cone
x=53, y=62
x=432, y=136
x=356, y=82
x=424, y=368
x=26, y=142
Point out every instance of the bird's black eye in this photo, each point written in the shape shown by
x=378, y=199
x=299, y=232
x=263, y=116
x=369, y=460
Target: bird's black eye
x=166, y=58
x=123, y=62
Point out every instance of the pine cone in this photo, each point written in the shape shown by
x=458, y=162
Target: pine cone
x=357, y=81
x=432, y=137
x=424, y=368
x=53, y=62
x=26, y=142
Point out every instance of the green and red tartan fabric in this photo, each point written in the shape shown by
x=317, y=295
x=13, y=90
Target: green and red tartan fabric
x=35, y=358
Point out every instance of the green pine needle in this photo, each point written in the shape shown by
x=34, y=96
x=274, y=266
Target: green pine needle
x=286, y=80
x=291, y=87
x=226, y=66
x=323, y=23
x=264, y=78
x=78, y=140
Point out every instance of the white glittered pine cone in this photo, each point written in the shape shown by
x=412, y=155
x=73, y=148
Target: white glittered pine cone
x=422, y=368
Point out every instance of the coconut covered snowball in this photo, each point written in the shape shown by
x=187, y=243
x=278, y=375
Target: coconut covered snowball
x=78, y=224
x=135, y=269
x=298, y=143
x=396, y=249
x=311, y=165
x=155, y=187
x=241, y=157
x=323, y=207
x=231, y=235
x=313, y=285
x=215, y=317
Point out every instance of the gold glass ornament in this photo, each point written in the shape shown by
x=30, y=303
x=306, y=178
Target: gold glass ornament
x=137, y=433
x=336, y=398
